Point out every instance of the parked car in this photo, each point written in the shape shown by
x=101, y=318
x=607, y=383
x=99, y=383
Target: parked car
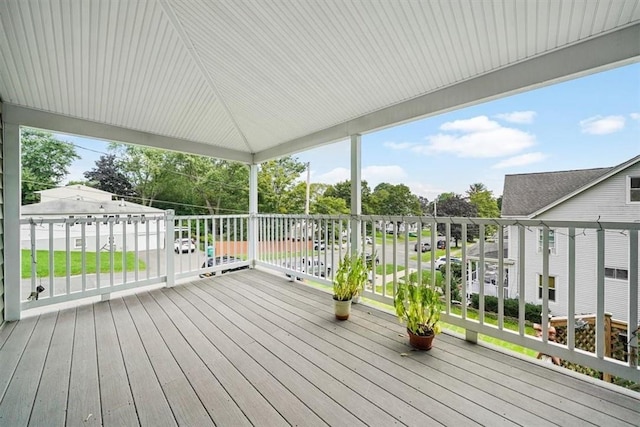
x=184, y=245
x=424, y=247
x=221, y=260
x=443, y=261
x=311, y=266
x=318, y=245
x=368, y=240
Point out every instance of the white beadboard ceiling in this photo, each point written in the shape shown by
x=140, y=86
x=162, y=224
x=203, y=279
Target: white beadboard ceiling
x=250, y=80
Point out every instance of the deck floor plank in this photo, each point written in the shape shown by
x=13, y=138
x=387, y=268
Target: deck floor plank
x=151, y=403
x=12, y=352
x=182, y=399
x=118, y=407
x=50, y=406
x=221, y=407
x=287, y=396
x=237, y=382
x=324, y=380
x=83, y=404
x=252, y=348
x=371, y=383
x=18, y=400
x=5, y=332
x=459, y=393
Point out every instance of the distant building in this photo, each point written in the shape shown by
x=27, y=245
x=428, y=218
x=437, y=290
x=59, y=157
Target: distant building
x=80, y=201
x=603, y=194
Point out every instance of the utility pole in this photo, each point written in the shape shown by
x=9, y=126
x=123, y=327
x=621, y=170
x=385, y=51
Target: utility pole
x=306, y=205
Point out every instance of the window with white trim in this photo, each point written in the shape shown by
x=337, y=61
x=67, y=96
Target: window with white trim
x=552, y=240
x=616, y=273
x=634, y=189
x=78, y=243
x=552, y=287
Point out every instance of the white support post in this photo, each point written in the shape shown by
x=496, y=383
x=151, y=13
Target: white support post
x=253, y=211
x=168, y=247
x=356, y=191
x=632, y=328
x=12, y=202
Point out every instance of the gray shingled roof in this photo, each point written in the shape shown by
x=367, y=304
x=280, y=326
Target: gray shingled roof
x=65, y=207
x=524, y=194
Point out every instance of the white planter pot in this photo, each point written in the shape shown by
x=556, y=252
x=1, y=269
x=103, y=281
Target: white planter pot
x=342, y=309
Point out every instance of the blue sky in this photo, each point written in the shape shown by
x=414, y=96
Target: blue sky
x=590, y=122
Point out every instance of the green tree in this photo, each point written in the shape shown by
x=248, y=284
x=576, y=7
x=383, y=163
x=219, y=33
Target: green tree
x=45, y=162
x=275, y=179
x=342, y=190
x=389, y=199
x=108, y=176
x=457, y=206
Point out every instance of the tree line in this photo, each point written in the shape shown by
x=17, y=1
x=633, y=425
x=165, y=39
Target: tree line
x=191, y=184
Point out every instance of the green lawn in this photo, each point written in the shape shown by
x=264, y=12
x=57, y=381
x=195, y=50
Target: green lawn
x=59, y=263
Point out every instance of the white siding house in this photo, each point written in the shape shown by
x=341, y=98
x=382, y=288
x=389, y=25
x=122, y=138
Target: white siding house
x=606, y=194
x=79, y=201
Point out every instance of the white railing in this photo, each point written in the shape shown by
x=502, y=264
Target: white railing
x=73, y=258
x=568, y=268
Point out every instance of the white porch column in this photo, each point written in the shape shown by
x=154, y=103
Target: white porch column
x=253, y=210
x=12, y=202
x=356, y=191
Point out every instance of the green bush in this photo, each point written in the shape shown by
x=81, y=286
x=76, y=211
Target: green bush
x=511, y=307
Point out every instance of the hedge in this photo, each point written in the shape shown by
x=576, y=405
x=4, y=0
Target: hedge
x=511, y=307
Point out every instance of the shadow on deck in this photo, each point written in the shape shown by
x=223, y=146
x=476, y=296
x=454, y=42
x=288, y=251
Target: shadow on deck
x=252, y=348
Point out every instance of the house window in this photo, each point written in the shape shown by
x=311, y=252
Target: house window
x=552, y=288
x=552, y=241
x=616, y=273
x=634, y=189
x=78, y=243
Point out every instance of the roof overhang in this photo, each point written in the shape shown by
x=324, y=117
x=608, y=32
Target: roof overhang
x=254, y=81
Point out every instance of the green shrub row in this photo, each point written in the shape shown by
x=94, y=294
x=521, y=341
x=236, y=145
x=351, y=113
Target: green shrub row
x=511, y=307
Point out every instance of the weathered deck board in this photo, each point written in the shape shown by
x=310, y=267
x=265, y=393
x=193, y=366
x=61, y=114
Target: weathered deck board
x=27, y=375
x=83, y=404
x=221, y=407
x=197, y=330
x=118, y=408
x=151, y=402
x=252, y=348
x=50, y=405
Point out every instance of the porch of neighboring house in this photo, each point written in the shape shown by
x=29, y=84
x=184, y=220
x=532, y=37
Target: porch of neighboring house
x=252, y=348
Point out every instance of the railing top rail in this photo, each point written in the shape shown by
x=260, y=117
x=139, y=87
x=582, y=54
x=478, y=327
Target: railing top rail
x=86, y=220
x=212, y=216
x=595, y=224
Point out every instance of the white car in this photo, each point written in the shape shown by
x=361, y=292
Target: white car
x=184, y=245
x=443, y=261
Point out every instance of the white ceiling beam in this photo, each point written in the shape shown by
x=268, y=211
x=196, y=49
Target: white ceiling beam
x=610, y=50
x=70, y=125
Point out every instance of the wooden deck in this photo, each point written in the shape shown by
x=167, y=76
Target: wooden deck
x=251, y=348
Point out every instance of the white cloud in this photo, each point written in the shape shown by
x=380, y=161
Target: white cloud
x=334, y=176
x=635, y=116
x=521, y=160
x=374, y=175
x=477, y=137
x=517, y=116
x=474, y=124
x=398, y=145
x=599, y=125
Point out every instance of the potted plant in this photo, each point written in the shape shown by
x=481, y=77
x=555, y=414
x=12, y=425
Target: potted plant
x=350, y=279
x=419, y=306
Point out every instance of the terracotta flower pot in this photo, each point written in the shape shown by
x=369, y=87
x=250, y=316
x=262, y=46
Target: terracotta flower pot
x=421, y=342
x=342, y=309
